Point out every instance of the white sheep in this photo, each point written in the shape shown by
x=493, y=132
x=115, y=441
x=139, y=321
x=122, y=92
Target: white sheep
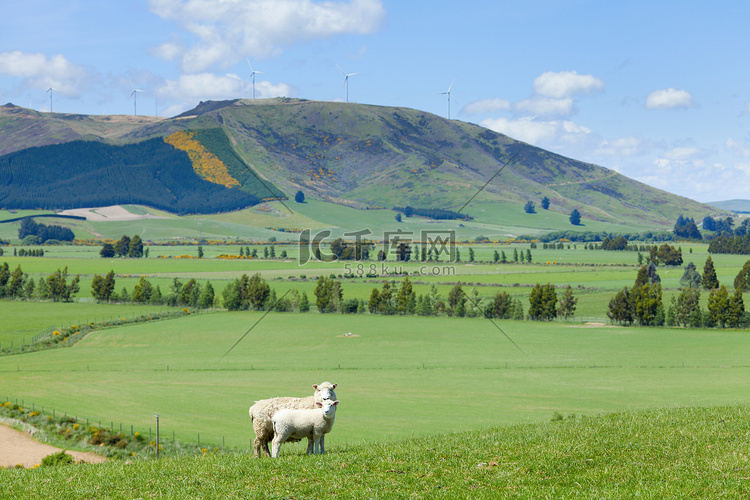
x=263, y=411
x=300, y=424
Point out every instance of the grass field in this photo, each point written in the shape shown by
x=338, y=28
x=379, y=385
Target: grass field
x=670, y=453
x=398, y=371
x=407, y=384
x=497, y=221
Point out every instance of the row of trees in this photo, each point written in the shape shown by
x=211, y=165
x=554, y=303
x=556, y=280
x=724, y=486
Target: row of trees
x=642, y=304
x=124, y=247
x=725, y=227
x=191, y=293
x=18, y=285
x=723, y=310
x=733, y=244
x=254, y=293
x=268, y=252
x=432, y=213
x=33, y=233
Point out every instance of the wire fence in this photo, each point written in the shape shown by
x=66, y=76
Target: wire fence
x=117, y=439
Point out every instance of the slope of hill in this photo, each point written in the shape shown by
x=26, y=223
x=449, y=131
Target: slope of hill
x=89, y=174
x=739, y=206
x=374, y=156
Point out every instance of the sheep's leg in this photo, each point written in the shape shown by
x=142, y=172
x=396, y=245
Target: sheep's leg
x=256, y=447
x=311, y=445
x=322, y=449
x=265, y=448
x=275, y=446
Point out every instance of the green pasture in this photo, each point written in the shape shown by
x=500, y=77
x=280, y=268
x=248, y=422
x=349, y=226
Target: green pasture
x=22, y=320
x=655, y=454
x=497, y=221
x=595, y=275
x=392, y=372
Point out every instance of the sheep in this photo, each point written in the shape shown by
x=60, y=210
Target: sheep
x=299, y=424
x=262, y=412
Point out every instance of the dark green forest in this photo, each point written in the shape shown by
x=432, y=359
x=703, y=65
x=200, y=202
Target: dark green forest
x=88, y=174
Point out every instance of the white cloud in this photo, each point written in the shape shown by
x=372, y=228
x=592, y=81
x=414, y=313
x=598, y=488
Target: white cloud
x=538, y=133
x=737, y=148
x=204, y=86
x=669, y=98
x=683, y=153
x=486, y=106
x=546, y=106
x=42, y=72
x=188, y=89
x=230, y=30
x=624, y=146
x=566, y=84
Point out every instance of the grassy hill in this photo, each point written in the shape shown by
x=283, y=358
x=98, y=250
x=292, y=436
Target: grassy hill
x=739, y=206
x=373, y=156
x=671, y=453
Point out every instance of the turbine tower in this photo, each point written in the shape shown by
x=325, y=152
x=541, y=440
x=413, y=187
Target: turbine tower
x=346, y=80
x=134, y=95
x=50, y=90
x=450, y=96
x=252, y=75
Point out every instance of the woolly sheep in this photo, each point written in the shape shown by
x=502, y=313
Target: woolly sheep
x=263, y=411
x=299, y=424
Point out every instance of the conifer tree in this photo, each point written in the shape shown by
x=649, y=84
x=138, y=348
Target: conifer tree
x=710, y=281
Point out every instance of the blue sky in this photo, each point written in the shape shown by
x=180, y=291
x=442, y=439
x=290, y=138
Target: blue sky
x=657, y=90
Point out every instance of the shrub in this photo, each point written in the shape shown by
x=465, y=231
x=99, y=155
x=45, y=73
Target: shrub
x=59, y=458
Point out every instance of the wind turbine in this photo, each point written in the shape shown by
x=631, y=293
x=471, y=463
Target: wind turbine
x=252, y=75
x=346, y=80
x=50, y=90
x=450, y=96
x=134, y=95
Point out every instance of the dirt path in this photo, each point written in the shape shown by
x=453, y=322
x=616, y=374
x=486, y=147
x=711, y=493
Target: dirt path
x=18, y=447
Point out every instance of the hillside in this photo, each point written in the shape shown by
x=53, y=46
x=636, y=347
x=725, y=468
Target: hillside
x=370, y=156
x=738, y=206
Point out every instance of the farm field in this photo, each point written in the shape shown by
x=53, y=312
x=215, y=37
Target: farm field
x=392, y=371
x=497, y=221
x=397, y=371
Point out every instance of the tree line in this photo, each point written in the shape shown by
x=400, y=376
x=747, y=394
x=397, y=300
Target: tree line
x=642, y=304
x=33, y=233
x=18, y=285
x=124, y=247
x=433, y=213
x=190, y=293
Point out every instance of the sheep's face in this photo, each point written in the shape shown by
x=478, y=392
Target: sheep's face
x=325, y=391
x=329, y=407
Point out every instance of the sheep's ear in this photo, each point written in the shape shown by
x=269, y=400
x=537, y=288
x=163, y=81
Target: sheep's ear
x=334, y=385
x=335, y=403
x=319, y=404
x=315, y=387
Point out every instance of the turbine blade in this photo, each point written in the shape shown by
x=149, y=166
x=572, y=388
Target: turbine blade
x=342, y=71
